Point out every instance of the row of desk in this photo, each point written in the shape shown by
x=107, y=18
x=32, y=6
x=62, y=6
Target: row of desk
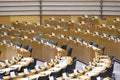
x=99, y=66
x=55, y=65
x=105, y=41
x=8, y=51
x=84, y=26
x=14, y=60
x=78, y=48
x=40, y=50
x=16, y=67
x=89, y=51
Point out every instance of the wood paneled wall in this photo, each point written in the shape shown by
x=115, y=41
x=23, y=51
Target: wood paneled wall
x=6, y=20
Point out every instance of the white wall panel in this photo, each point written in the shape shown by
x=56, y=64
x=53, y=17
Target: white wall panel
x=111, y=7
x=19, y=3
x=71, y=12
x=19, y=8
x=59, y=7
x=71, y=8
x=71, y=3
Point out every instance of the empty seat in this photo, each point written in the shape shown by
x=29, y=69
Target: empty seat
x=69, y=53
x=106, y=35
x=71, y=37
x=71, y=66
x=87, y=31
x=18, y=28
x=95, y=44
x=47, y=25
x=97, y=33
x=64, y=46
x=30, y=49
x=37, y=38
x=45, y=40
x=113, y=37
x=1, y=25
x=53, y=42
x=80, y=39
x=33, y=64
x=7, y=41
x=26, y=46
x=102, y=48
x=90, y=42
x=55, y=74
x=4, y=33
x=43, y=77
x=17, y=35
x=18, y=44
x=63, y=70
x=109, y=71
x=94, y=77
x=25, y=69
x=40, y=32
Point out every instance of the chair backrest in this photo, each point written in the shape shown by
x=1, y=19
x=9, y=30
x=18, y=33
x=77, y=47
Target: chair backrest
x=15, y=70
x=4, y=33
x=69, y=53
x=53, y=42
x=30, y=49
x=18, y=44
x=90, y=42
x=71, y=37
x=108, y=72
x=17, y=35
x=80, y=39
x=26, y=46
x=37, y=38
x=7, y=41
x=112, y=64
x=64, y=46
x=95, y=44
x=63, y=70
x=72, y=66
x=45, y=40
x=93, y=77
x=43, y=78
x=40, y=32
x=102, y=48
x=97, y=33
x=55, y=74
x=106, y=35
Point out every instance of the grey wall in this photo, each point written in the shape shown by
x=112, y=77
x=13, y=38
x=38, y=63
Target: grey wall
x=59, y=7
